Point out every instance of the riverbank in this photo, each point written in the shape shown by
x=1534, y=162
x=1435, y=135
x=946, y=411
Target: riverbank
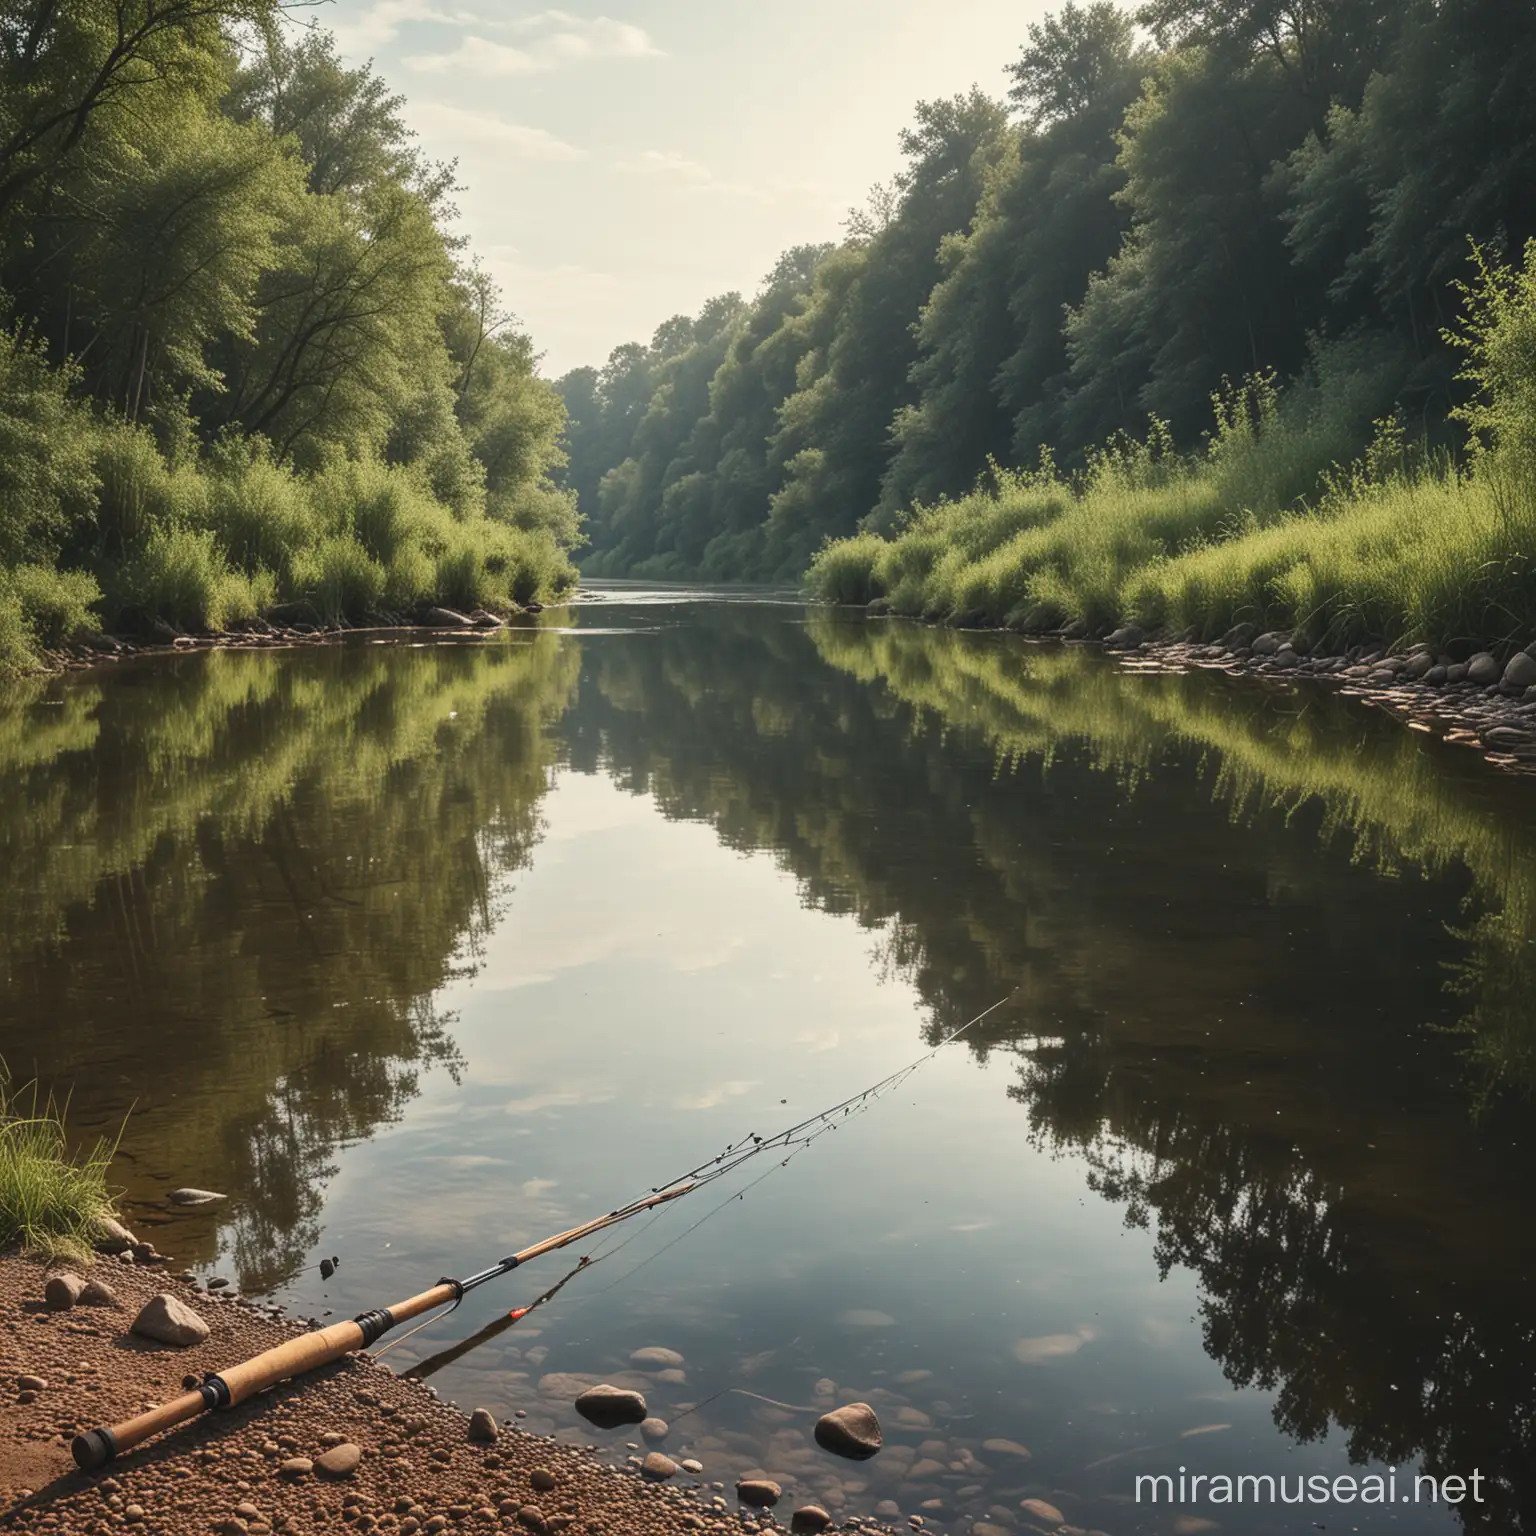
x=1480, y=700
x=256, y=1469
x=261, y=634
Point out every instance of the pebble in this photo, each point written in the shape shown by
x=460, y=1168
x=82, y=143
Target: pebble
x=63, y=1291
x=98, y=1293
x=1006, y=1448
x=341, y=1461
x=168, y=1320
x=542, y=1479
x=691, y=1467
x=1042, y=1511
x=482, y=1427
x=808, y=1519
x=658, y=1468
x=654, y=1430
x=31, y=1384
x=654, y=1357
x=852, y=1431
x=609, y=1407
x=759, y=1492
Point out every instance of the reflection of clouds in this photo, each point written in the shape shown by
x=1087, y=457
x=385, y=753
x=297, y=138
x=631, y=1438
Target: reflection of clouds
x=718, y=1094
x=1053, y=1346
x=533, y=1188
x=817, y=1043
x=559, y=1098
x=465, y=1160
x=1158, y=1332
x=972, y=1226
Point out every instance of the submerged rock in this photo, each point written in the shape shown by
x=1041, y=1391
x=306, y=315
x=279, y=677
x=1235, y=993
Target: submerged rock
x=1048, y=1513
x=657, y=1468
x=852, y=1431
x=809, y=1519
x=194, y=1197
x=654, y=1430
x=169, y=1321
x=654, y=1357
x=610, y=1407
x=759, y=1492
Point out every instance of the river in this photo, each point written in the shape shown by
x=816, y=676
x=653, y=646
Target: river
x=422, y=949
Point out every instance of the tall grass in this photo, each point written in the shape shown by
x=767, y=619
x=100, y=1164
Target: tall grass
x=53, y=1198
x=1269, y=522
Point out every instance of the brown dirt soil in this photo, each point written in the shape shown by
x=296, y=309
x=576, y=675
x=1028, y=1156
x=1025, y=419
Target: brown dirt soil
x=222, y=1473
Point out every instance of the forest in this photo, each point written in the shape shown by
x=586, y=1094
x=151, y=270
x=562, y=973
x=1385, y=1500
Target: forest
x=1219, y=309
x=243, y=359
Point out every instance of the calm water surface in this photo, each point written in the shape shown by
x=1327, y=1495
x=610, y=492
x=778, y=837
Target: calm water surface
x=422, y=952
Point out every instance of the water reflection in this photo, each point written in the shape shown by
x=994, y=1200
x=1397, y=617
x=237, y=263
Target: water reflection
x=244, y=891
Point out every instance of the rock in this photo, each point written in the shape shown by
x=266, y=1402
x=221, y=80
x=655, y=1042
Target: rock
x=1456, y=672
x=1007, y=1448
x=531, y=1516
x=1421, y=664
x=1504, y=738
x=1286, y=660
x=217, y=1283
x=654, y=1357
x=340, y=1461
x=1078, y=629
x=63, y=1291
x=98, y=1293
x=482, y=1427
x=852, y=1431
x=610, y=1407
x=446, y=618
x=1436, y=675
x=327, y=1268
x=1048, y=1513
x=169, y=1321
x=654, y=1430
x=984, y=1528
x=1126, y=638
x=31, y=1384
x=1239, y=634
x=113, y=1237
x=234, y=1527
x=1520, y=672
x=691, y=1467
x=888, y=1509
x=808, y=1519
x=542, y=1479
x=1482, y=669
x=759, y=1492
x=194, y=1197
x=657, y=1468
x=1267, y=644
x=483, y=620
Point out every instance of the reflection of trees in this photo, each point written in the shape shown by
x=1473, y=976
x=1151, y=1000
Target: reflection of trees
x=1235, y=1041
x=270, y=864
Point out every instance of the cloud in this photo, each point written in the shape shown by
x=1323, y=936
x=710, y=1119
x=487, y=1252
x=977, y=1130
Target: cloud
x=381, y=22
x=536, y=1103
x=548, y=40
x=689, y=175
x=1052, y=1346
x=436, y=121
x=720, y=1093
x=533, y=1188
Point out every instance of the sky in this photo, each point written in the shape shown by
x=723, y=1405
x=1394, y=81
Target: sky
x=625, y=161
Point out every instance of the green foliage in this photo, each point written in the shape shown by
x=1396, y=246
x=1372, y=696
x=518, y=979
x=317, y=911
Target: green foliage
x=56, y=606
x=52, y=1199
x=247, y=355
x=1263, y=525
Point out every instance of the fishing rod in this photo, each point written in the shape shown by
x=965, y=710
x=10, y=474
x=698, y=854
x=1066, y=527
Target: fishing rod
x=297, y=1357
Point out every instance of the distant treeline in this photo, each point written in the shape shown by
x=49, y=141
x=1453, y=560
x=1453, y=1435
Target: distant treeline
x=1194, y=192
x=241, y=357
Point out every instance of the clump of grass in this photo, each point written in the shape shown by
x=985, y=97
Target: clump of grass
x=53, y=1198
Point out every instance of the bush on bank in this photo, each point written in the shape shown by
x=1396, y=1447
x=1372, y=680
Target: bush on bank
x=1264, y=525
x=101, y=527
x=52, y=1198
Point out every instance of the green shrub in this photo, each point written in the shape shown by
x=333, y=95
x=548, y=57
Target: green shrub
x=342, y=579
x=844, y=572
x=55, y=605
x=52, y=1200
x=261, y=513
x=180, y=577
x=140, y=493
x=17, y=653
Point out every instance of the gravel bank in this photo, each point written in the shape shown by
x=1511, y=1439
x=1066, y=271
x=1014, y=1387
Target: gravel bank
x=226, y=1473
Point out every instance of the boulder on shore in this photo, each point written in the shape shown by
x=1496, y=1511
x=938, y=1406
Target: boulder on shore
x=63, y=1291
x=167, y=1320
x=113, y=1237
x=852, y=1431
x=611, y=1407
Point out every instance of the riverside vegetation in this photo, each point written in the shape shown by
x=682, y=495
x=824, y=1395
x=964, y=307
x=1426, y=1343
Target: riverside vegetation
x=991, y=402
x=242, y=359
